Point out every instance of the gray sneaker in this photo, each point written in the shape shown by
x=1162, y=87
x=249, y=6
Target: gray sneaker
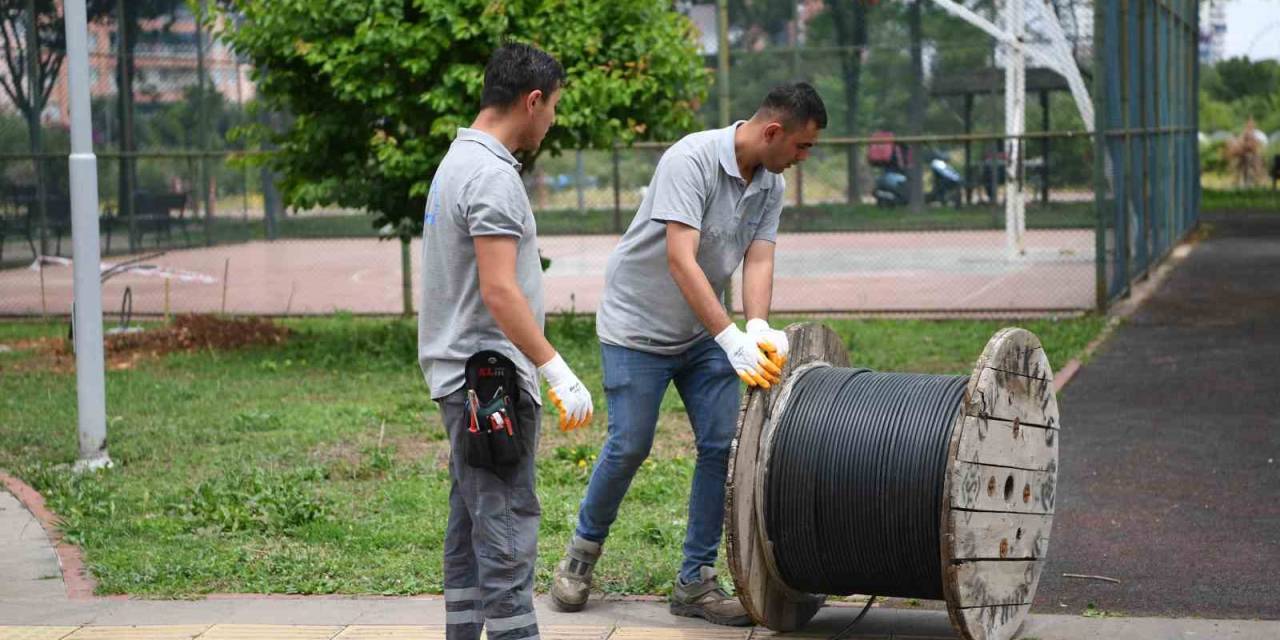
x=705, y=599
x=572, y=582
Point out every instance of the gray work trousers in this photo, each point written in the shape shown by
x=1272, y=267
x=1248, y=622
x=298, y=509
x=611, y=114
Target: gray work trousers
x=491, y=542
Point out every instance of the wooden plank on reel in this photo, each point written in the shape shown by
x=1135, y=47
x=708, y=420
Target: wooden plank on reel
x=1008, y=444
x=985, y=583
x=981, y=534
x=995, y=623
x=983, y=487
x=769, y=601
x=1005, y=396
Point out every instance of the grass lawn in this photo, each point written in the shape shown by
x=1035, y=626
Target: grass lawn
x=1253, y=200
x=318, y=465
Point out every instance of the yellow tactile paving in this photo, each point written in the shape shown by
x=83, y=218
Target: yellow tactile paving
x=391, y=632
x=661, y=633
x=793, y=635
x=35, y=633
x=367, y=632
x=156, y=632
x=270, y=632
x=573, y=633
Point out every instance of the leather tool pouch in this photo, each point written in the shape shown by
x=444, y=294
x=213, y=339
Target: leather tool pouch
x=493, y=439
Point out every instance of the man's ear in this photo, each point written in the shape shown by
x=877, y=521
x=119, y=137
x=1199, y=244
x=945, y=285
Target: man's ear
x=772, y=131
x=532, y=99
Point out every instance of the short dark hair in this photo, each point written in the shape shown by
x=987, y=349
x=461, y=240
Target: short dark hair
x=795, y=104
x=515, y=69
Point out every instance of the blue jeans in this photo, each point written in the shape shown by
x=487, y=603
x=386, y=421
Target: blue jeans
x=634, y=383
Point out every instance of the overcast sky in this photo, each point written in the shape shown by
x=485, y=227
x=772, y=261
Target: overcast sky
x=1253, y=28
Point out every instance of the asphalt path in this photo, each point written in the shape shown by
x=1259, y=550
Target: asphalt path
x=1170, y=458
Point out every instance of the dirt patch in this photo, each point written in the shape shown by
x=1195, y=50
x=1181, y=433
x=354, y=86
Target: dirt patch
x=199, y=332
x=186, y=333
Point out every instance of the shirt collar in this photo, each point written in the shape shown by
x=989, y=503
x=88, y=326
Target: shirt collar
x=488, y=142
x=729, y=158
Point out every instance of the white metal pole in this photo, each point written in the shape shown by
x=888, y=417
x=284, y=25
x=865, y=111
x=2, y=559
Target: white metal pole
x=1015, y=124
x=90, y=384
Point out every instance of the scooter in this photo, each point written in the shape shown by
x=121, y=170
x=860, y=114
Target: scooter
x=891, y=188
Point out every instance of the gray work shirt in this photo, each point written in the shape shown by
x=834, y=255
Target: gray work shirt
x=476, y=191
x=696, y=183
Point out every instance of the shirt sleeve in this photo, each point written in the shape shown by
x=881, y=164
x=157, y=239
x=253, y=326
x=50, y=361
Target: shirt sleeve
x=679, y=191
x=496, y=205
x=768, y=229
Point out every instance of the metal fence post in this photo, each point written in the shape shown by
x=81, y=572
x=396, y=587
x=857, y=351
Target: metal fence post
x=722, y=61
x=800, y=184
x=617, y=191
x=406, y=275
x=579, y=174
x=968, y=148
x=1100, y=185
x=1044, y=148
x=202, y=117
x=270, y=196
x=124, y=104
x=36, y=105
x=722, y=79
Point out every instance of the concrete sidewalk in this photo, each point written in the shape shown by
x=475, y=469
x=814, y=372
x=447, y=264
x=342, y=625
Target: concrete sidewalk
x=34, y=605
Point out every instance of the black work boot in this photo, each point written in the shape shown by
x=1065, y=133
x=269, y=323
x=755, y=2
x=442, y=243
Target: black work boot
x=705, y=599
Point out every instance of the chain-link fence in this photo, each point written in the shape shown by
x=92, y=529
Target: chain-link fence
x=1148, y=147
x=162, y=147
x=209, y=234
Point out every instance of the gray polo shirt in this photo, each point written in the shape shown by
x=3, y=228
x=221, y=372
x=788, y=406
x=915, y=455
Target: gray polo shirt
x=476, y=191
x=696, y=183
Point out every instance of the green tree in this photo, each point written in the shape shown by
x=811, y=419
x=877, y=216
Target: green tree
x=1239, y=78
x=375, y=89
x=1234, y=90
x=16, y=21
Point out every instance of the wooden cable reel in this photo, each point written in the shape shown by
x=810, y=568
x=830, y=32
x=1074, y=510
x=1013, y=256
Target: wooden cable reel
x=998, y=494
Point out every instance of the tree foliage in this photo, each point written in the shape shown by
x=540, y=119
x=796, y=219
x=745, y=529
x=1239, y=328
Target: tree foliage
x=50, y=47
x=1237, y=89
x=375, y=89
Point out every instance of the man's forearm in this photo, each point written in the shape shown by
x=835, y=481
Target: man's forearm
x=757, y=287
x=701, y=297
x=510, y=309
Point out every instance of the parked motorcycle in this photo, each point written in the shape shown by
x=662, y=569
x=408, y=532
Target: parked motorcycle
x=892, y=185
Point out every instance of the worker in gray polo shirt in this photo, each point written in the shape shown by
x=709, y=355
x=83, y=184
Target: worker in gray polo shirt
x=714, y=203
x=482, y=291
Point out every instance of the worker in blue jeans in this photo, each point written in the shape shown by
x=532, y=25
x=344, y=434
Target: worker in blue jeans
x=714, y=202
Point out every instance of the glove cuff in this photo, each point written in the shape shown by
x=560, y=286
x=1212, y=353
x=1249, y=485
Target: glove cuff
x=728, y=336
x=757, y=324
x=555, y=370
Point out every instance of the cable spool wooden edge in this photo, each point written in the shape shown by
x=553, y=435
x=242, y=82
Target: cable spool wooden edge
x=995, y=530
x=769, y=601
x=1000, y=488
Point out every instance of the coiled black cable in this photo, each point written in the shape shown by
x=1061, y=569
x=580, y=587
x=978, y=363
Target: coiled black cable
x=853, y=491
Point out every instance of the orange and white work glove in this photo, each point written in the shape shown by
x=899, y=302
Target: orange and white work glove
x=747, y=359
x=771, y=341
x=567, y=392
